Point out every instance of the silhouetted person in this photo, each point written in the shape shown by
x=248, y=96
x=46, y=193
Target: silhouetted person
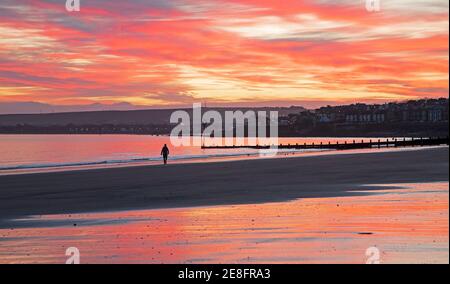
x=165, y=153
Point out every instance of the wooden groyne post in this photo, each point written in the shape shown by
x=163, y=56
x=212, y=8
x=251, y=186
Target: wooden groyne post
x=395, y=142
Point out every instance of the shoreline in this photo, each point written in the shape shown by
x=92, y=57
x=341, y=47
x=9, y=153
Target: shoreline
x=220, y=183
x=218, y=158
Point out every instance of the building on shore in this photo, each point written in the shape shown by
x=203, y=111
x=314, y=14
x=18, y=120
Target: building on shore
x=421, y=117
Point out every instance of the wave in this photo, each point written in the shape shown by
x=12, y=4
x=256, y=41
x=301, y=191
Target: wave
x=136, y=160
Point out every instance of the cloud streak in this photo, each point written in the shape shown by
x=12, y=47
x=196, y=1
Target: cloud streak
x=163, y=53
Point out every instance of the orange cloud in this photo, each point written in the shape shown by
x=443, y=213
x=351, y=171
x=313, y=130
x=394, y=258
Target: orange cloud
x=163, y=53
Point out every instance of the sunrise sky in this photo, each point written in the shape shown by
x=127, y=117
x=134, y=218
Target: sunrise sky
x=164, y=53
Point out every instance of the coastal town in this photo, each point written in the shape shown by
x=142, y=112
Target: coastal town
x=428, y=117
x=415, y=118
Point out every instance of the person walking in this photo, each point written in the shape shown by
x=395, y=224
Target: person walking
x=165, y=153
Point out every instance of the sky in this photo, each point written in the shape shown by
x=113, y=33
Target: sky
x=171, y=53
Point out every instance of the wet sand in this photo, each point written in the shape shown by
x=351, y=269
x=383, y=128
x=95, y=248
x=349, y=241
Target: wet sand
x=207, y=184
x=406, y=223
x=320, y=209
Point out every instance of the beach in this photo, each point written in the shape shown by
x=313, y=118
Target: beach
x=221, y=183
x=337, y=208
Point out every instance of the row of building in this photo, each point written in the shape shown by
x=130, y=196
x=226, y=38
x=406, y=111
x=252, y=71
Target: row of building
x=429, y=110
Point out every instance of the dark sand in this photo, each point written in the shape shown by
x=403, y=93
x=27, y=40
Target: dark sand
x=237, y=182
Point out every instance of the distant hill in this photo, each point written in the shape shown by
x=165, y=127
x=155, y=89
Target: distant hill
x=39, y=108
x=132, y=117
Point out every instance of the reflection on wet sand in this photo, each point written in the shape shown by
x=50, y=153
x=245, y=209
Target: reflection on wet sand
x=407, y=225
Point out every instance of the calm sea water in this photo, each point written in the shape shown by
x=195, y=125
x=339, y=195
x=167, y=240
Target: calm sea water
x=52, y=152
